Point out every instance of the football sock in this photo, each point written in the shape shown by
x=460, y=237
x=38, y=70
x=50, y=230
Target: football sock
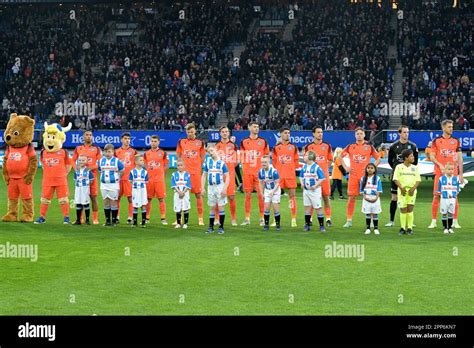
x=222, y=218
x=186, y=217
x=178, y=218
x=248, y=203
x=403, y=220
x=393, y=210
x=434, y=207
x=410, y=218
x=376, y=221
x=350, y=208
x=321, y=219
x=266, y=217
x=277, y=217
x=199, y=205
x=293, y=207
x=212, y=217
x=233, y=208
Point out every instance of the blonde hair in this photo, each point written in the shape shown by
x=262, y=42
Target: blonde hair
x=337, y=151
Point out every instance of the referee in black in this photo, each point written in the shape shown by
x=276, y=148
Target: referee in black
x=394, y=159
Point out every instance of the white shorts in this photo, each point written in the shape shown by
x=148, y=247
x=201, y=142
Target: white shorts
x=181, y=204
x=110, y=191
x=82, y=195
x=371, y=208
x=274, y=199
x=312, y=198
x=214, y=195
x=447, y=205
x=139, y=197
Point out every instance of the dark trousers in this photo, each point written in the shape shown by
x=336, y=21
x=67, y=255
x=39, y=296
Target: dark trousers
x=336, y=183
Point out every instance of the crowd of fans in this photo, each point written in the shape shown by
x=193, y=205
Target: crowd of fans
x=334, y=71
x=436, y=47
x=177, y=71
x=178, y=67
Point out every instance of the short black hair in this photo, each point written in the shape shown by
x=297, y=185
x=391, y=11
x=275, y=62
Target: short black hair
x=125, y=134
x=406, y=153
x=316, y=127
x=282, y=129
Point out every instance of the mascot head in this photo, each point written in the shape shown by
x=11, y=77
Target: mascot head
x=54, y=136
x=20, y=130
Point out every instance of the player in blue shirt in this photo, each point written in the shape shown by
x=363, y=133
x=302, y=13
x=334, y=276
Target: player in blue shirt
x=181, y=185
x=83, y=177
x=138, y=177
x=448, y=189
x=217, y=174
x=269, y=181
x=311, y=177
x=371, y=189
x=110, y=168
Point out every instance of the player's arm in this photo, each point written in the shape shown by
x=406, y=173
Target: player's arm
x=276, y=177
x=379, y=188
x=417, y=183
x=179, y=151
x=130, y=177
x=301, y=176
x=396, y=180
x=433, y=159
x=415, y=153
x=67, y=161
x=460, y=163
x=391, y=157
x=438, y=191
x=321, y=178
x=330, y=155
x=202, y=152
x=361, y=189
x=91, y=176
x=120, y=167
x=74, y=158
x=166, y=161
x=203, y=181
x=225, y=170
x=343, y=154
x=261, y=184
x=375, y=155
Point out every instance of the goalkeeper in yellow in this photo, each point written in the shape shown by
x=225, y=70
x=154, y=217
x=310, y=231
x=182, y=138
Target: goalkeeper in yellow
x=407, y=178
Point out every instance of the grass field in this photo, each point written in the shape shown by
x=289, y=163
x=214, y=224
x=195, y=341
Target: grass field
x=85, y=270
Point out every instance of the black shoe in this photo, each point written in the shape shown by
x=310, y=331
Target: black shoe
x=331, y=197
x=78, y=222
x=88, y=222
x=342, y=197
x=409, y=231
x=328, y=223
x=129, y=221
x=107, y=224
x=402, y=231
x=117, y=221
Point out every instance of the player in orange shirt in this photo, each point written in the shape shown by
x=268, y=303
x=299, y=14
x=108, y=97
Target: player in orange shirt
x=444, y=149
x=93, y=155
x=324, y=159
x=126, y=155
x=252, y=149
x=56, y=166
x=285, y=159
x=192, y=152
x=359, y=154
x=227, y=151
x=157, y=164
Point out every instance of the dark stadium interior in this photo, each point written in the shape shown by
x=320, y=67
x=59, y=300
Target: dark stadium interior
x=145, y=67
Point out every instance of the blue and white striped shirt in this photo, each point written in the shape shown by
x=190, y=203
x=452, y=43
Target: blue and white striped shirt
x=138, y=178
x=215, y=170
x=310, y=175
x=448, y=186
x=373, y=185
x=109, y=170
x=181, y=181
x=83, y=177
x=269, y=177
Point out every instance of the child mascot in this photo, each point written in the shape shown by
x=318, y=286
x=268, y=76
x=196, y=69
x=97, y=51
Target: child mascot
x=56, y=166
x=19, y=167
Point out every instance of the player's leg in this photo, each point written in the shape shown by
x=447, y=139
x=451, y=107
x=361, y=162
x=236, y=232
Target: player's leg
x=136, y=206
x=410, y=218
x=212, y=209
x=455, y=215
x=444, y=220
x=375, y=220
x=107, y=210
x=393, y=203
x=144, y=212
x=266, y=215
x=339, y=189
x=161, y=194
x=196, y=189
x=119, y=199
x=326, y=191
x=261, y=203
x=307, y=210
x=62, y=192
x=150, y=190
x=114, y=210
x=333, y=189
x=248, y=189
x=352, y=192
x=368, y=219
x=95, y=206
x=403, y=220
x=291, y=185
x=221, y=209
x=128, y=186
x=231, y=196
x=78, y=214
x=435, y=203
x=46, y=197
x=276, y=213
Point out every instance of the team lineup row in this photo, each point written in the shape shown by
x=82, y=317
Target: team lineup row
x=142, y=177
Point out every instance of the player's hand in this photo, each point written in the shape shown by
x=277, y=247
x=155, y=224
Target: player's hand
x=203, y=191
x=223, y=193
x=28, y=179
x=403, y=191
x=6, y=178
x=411, y=192
x=441, y=167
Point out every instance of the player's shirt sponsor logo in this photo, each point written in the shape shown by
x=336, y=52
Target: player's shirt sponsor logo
x=448, y=152
x=190, y=153
x=358, y=158
x=284, y=159
x=153, y=164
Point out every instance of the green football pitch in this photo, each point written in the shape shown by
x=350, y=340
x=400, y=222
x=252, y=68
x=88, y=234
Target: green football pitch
x=86, y=270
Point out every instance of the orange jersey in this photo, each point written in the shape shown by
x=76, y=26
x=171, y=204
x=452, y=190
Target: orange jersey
x=359, y=155
x=54, y=167
x=286, y=160
x=228, y=153
x=156, y=161
x=17, y=160
x=446, y=150
x=191, y=152
x=428, y=153
x=251, y=153
x=92, y=153
x=126, y=156
x=323, y=153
